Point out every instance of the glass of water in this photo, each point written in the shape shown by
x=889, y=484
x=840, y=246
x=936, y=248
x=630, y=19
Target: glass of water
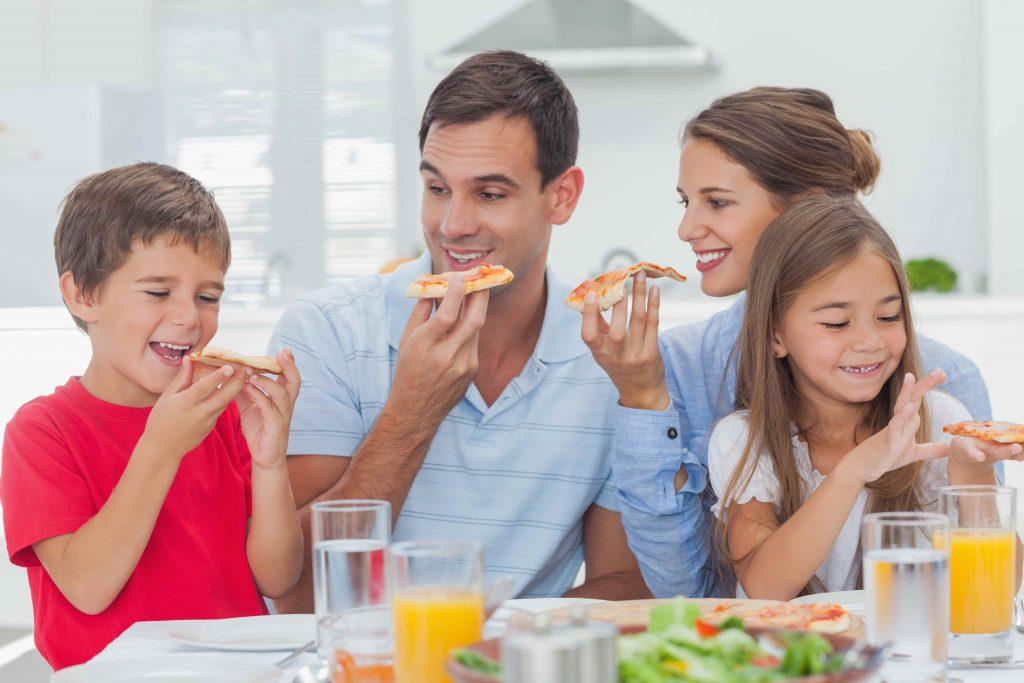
x=350, y=587
x=906, y=582
x=982, y=563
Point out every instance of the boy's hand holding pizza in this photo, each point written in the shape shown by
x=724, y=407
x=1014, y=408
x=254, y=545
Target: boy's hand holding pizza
x=265, y=408
x=264, y=405
x=187, y=411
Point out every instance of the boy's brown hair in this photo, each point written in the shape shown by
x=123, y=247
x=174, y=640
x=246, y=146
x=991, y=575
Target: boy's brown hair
x=104, y=214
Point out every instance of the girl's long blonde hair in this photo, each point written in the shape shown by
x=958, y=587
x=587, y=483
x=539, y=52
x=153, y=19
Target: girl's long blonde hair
x=801, y=246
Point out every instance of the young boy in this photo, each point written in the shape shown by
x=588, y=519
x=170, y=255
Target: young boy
x=132, y=493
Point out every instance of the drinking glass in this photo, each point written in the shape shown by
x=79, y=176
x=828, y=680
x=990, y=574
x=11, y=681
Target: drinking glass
x=982, y=565
x=350, y=589
x=438, y=605
x=906, y=582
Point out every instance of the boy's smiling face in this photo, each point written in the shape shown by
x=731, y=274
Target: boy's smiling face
x=159, y=305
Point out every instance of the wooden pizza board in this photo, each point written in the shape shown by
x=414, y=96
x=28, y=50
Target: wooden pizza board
x=634, y=612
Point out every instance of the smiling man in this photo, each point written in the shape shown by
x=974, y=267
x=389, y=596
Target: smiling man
x=486, y=419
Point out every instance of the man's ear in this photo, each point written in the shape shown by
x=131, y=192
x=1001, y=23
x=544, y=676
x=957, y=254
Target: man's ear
x=80, y=304
x=778, y=347
x=567, y=189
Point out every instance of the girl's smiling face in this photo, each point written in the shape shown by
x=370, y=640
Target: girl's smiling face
x=726, y=212
x=844, y=335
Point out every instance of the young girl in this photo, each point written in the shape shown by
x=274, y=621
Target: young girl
x=831, y=423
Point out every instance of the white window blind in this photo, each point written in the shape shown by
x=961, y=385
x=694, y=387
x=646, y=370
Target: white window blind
x=299, y=116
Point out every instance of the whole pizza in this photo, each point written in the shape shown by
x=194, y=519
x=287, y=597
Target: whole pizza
x=819, y=617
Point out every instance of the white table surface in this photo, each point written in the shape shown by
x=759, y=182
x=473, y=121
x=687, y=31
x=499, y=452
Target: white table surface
x=147, y=639
x=150, y=638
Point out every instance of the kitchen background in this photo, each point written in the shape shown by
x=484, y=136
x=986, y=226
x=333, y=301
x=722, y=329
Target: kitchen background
x=302, y=116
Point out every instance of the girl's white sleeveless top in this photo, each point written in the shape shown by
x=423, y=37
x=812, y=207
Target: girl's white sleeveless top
x=841, y=567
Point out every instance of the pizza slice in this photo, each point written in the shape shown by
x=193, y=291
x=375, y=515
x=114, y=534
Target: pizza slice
x=991, y=430
x=820, y=617
x=213, y=357
x=611, y=286
x=477, y=279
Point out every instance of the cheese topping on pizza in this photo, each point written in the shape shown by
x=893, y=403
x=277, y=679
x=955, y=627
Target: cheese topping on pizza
x=820, y=617
x=477, y=279
x=990, y=430
x=610, y=287
x=214, y=356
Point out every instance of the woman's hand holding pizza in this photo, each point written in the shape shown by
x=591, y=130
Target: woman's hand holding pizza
x=437, y=355
x=629, y=353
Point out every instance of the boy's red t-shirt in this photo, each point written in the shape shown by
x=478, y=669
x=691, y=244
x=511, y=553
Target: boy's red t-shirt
x=63, y=455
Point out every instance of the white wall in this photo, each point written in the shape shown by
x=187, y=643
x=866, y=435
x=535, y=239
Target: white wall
x=75, y=80
x=933, y=79
x=909, y=71
x=104, y=42
x=1004, y=142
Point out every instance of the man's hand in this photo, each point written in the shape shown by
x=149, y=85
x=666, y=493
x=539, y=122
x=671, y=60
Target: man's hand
x=265, y=408
x=437, y=355
x=186, y=412
x=629, y=355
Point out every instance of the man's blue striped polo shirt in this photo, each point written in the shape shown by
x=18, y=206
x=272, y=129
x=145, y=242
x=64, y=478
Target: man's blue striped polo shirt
x=517, y=475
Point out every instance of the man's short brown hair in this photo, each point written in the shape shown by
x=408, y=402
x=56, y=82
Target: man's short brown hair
x=511, y=84
x=104, y=215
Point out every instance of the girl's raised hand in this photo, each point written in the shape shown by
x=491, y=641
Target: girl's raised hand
x=629, y=353
x=896, y=445
x=913, y=390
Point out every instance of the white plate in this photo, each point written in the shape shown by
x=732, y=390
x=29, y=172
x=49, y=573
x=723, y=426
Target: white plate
x=852, y=601
x=274, y=632
x=181, y=668
x=538, y=605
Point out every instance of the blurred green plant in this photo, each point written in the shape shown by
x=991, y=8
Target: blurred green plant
x=930, y=275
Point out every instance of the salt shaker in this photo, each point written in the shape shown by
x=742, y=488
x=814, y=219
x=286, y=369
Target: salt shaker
x=579, y=652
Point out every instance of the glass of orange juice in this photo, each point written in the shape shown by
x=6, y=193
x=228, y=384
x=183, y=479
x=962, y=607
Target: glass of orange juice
x=982, y=546
x=438, y=605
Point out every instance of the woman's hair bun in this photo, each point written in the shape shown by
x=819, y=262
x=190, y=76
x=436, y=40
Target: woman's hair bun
x=866, y=164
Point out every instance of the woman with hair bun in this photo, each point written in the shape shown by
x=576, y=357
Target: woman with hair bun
x=744, y=160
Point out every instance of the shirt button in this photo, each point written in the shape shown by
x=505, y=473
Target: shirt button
x=672, y=432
